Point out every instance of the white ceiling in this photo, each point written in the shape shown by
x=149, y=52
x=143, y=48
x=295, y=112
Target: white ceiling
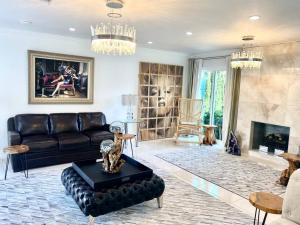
x=216, y=24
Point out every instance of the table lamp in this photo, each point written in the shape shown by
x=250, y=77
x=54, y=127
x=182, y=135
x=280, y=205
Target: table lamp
x=129, y=101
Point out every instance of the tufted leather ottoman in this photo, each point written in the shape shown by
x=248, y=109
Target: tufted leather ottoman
x=94, y=204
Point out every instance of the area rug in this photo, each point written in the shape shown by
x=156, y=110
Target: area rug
x=40, y=199
x=236, y=174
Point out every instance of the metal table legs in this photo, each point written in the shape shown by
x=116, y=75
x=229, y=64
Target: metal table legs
x=137, y=133
x=26, y=165
x=6, y=167
x=137, y=137
x=24, y=168
x=256, y=222
x=126, y=132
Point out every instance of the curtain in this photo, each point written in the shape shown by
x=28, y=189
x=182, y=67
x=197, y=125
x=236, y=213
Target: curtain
x=194, y=77
x=231, y=100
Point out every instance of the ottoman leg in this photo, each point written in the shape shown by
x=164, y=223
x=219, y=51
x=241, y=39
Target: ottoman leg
x=160, y=201
x=91, y=220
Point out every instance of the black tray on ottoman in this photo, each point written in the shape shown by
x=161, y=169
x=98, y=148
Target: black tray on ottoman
x=93, y=173
x=122, y=192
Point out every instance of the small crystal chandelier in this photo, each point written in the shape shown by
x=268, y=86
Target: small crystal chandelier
x=248, y=58
x=113, y=39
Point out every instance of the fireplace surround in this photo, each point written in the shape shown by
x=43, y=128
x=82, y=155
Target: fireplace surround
x=269, y=135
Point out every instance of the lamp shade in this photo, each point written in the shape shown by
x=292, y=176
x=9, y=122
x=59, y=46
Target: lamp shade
x=129, y=100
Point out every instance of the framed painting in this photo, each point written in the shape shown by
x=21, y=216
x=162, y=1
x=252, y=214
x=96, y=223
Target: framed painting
x=160, y=87
x=60, y=79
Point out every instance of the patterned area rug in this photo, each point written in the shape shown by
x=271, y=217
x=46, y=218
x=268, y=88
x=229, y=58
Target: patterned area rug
x=233, y=173
x=41, y=200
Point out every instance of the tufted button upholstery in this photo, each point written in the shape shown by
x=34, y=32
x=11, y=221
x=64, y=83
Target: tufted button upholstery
x=110, y=199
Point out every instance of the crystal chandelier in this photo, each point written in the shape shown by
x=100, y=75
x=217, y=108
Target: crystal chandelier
x=113, y=39
x=248, y=58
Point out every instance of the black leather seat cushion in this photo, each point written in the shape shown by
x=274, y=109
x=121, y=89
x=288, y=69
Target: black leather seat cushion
x=72, y=141
x=92, y=121
x=63, y=122
x=40, y=143
x=31, y=124
x=97, y=136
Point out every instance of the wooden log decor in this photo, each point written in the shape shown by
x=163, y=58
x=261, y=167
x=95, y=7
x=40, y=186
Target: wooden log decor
x=209, y=138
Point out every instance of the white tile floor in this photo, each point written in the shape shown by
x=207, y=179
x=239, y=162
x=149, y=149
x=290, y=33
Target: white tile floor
x=147, y=150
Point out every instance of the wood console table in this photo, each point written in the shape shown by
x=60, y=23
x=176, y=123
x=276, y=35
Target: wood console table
x=293, y=160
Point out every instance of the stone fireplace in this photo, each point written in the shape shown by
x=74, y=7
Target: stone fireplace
x=271, y=96
x=270, y=136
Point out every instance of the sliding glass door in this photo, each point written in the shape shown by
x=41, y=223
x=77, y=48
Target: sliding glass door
x=212, y=84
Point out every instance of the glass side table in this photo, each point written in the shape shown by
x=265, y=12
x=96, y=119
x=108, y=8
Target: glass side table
x=134, y=121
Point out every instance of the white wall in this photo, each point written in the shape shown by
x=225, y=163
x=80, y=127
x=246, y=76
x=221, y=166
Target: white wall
x=114, y=75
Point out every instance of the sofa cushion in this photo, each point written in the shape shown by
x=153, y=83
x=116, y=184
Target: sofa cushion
x=32, y=124
x=63, y=122
x=97, y=137
x=72, y=141
x=40, y=143
x=92, y=121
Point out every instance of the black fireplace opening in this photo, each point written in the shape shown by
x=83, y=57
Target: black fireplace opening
x=270, y=135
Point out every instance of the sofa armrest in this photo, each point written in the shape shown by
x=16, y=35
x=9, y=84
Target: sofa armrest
x=105, y=127
x=14, y=138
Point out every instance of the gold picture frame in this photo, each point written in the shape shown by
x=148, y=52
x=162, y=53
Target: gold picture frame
x=56, y=78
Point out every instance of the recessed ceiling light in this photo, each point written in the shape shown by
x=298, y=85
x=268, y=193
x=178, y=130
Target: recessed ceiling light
x=25, y=21
x=254, y=18
x=188, y=33
x=72, y=29
x=150, y=42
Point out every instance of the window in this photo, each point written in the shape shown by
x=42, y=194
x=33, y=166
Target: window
x=212, y=87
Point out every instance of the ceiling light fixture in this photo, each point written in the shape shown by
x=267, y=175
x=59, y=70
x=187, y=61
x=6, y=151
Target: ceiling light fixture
x=113, y=38
x=25, y=21
x=188, y=33
x=72, y=29
x=254, y=18
x=150, y=42
x=248, y=58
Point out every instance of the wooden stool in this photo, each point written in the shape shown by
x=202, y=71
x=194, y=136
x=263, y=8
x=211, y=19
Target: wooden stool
x=267, y=202
x=210, y=137
x=127, y=137
x=13, y=150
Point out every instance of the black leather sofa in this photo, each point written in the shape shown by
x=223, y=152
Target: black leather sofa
x=57, y=138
